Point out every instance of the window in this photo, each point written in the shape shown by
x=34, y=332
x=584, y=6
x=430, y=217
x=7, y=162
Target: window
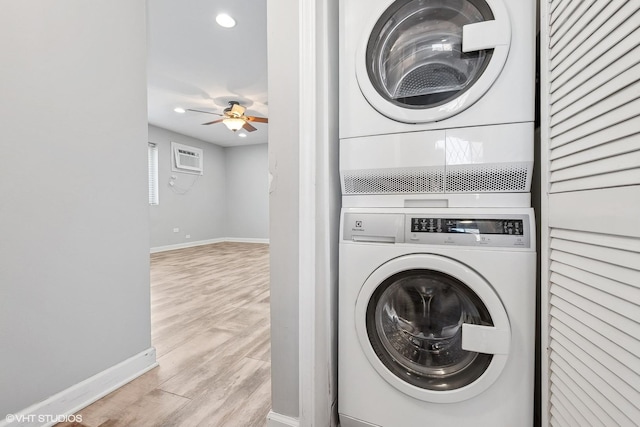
x=153, y=173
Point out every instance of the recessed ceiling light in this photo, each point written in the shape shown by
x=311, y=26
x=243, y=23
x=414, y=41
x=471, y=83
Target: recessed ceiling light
x=242, y=135
x=225, y=20
x=179, y=110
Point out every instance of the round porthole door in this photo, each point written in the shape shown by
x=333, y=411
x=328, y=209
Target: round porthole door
x=432, y=328
x=426, y=60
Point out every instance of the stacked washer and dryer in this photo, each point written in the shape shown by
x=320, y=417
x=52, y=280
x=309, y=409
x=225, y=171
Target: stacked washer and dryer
x=437, y=236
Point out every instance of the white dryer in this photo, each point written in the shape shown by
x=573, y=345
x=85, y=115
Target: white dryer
x=436, y=317
x=437, y=97
x=411, y=65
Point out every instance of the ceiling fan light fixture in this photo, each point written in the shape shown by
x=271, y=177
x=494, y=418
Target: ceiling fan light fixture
x=233, y=123
x=225, y=20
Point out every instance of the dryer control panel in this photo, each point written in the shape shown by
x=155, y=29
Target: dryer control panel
x=497, y=230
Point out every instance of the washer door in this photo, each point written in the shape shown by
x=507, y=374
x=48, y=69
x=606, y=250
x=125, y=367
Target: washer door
x=433, y=328
x=426, y=60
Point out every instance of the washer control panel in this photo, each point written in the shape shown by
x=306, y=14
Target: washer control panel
x=497, y=230
x=508, y=231
x=467, y=225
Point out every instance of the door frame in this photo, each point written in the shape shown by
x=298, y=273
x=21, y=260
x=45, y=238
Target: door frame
x=319, y=212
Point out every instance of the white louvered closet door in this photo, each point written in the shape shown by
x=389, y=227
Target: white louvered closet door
x=590, y=79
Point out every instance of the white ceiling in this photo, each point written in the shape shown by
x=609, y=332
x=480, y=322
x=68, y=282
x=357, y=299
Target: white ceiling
x=195, y=63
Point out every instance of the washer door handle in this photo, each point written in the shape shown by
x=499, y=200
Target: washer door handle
x=485, y=339
x=485, y=35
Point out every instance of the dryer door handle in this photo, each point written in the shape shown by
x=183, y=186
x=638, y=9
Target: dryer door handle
x=485, y=35
x=485, y=339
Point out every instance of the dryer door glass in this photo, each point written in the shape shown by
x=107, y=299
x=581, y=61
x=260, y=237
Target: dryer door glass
x=414, y=323
x=414, y=55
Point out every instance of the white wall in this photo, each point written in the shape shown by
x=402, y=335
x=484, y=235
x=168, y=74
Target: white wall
x=74, y=275
x=247, y=192
x=201, y=211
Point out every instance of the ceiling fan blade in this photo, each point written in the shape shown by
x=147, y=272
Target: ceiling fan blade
x=248, y=127
x=213, y=122
x=257, y=119
x=206, y=112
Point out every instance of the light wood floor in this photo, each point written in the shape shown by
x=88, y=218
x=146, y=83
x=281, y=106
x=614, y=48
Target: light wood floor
x=210, y=327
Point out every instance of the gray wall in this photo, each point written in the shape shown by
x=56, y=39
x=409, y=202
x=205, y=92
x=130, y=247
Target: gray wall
x=74, y=253
x=282, y=26
x=230, y=199
x=201, y=212
x=247, y=192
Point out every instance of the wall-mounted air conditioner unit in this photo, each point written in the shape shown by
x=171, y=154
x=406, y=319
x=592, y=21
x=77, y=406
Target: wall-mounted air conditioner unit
x=186, y=159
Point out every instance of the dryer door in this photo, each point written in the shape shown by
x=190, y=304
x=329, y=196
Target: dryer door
x=432, y=328
x=426, y=60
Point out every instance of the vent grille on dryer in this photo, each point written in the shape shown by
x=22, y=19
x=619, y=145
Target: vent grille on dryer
x=484, y=178
x=487, y=178
x=388, y=181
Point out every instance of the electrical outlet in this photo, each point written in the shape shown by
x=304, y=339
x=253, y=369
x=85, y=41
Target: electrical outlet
x=175, y=230
x=188, y=236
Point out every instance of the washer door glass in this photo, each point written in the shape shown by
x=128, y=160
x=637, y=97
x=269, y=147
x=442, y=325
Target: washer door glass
x=414, y=55
x=414, y=323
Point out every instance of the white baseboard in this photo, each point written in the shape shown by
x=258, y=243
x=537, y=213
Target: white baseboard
x=278, y=420
x=246, y=240
x=206, y=242
x=186, y=245
x=81, y=395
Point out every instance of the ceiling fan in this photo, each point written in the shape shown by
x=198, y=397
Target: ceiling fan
x=233, y=117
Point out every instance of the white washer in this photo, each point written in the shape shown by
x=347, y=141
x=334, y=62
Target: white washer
x=410, y=65
x=436, y=317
